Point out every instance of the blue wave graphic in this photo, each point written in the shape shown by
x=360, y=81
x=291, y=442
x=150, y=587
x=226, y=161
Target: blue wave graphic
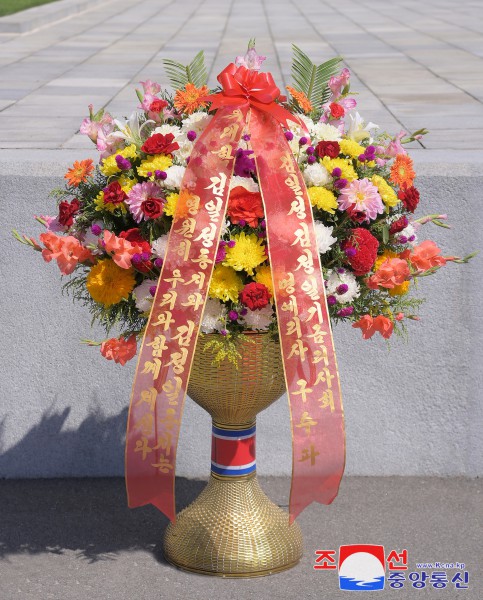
x=360, y=585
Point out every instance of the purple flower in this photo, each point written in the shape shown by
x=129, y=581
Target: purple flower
x=350, y=252
x=311, y=159
x=288, y=136
x=246, y=137
x=96, y=229
x=233, y=315
x=310, y=150
x=123, y=163
x=136, y=258
x=220, y=253
x=244, y=166
x=340, y=184
x=303, y=140
x=191, y=135
x=331, y=300
x=152, y=290
x=336, y=172
x=346, y=311
x=342, y=289
x=158, y=262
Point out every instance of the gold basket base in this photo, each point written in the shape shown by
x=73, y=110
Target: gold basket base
x=233, y=530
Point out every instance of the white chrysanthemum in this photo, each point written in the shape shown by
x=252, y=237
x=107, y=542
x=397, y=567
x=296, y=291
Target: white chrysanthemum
x=174, y=177
x=323, y=132
x=244, y=182
x=185, y=148
x=316, y=175
x=214, y=316
x=225, y=228
x=336, y=278
x=142, y=295
x=408, y=232
x=259, y=319
x=159, y=246
x=196, y=122
x=165, y=129
x=324, y=237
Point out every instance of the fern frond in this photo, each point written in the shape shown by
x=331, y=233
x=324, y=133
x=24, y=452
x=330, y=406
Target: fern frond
x=179, y=75
x=311, y=79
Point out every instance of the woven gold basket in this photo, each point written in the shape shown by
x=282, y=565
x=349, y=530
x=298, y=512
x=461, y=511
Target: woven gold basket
x=232, y=529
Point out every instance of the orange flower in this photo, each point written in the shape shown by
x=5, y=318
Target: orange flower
x=426, y=255
x=301, y=99
x=391, y=273
x=79, y=172
x=67, y=251
x=402, y=172
x=368, y=325
x=120, y=350
x=121, y=250
x=189, y=99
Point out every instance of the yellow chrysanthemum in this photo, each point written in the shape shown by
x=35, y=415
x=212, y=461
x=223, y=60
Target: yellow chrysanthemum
x=109, y=206
x=170, y=205
x=225, y=284
x=383, y=257
x=400, y=290
x=109, y=165
x=351, y=148
x=386, y=192
x=323, y=199
x=247, y=253
x=344, y=164
x=109, y=284
x=153, y=163
x=264, y=275
x=127, y=183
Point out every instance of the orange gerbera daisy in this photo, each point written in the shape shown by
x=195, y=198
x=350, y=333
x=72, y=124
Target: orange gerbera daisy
x=301, y=99
x=79, y=172
x=402, y=172
x=189, y=99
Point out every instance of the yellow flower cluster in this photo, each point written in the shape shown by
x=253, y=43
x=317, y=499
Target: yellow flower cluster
x=170, y=205
x=153, y=163
x=247, y=253
x=108, y=284
x=127, y=183
x=225, y=284
x=264, y=275
x=351, y=148
x=344, y=164
x=386, y=192
x=109, y=165
x=400, y=290
x=322, y=199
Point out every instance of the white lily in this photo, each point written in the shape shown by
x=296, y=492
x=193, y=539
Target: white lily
x=360, y=130
x=131, y=129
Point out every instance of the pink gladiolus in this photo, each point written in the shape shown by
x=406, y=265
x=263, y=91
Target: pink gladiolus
x=369, y=325
x=391, y=273
x=426, y=256
x=395, y=147
x=120, y=350
x=338, y=83
x=251, y=60
x=150, y=87
x=67, y=251
x=121, y=250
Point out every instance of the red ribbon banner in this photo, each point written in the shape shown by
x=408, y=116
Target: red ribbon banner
x=165, y=358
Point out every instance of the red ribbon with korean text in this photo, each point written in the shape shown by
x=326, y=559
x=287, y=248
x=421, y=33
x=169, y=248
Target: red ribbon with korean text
x=247, y=102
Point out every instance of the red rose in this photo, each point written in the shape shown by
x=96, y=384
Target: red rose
x=336, y=110
x=410, y=198
x=158, y=105
x=134, y=236
x=361, y=250
x=245, y=206
x=255, y=295
x=152, y=208
x=114, y=194
x=67, y=212
x=358, y=216
x=330, y=149
x=160, y=144
x=398, y=225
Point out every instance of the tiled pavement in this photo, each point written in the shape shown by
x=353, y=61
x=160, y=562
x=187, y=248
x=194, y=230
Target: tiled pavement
x=415, y=64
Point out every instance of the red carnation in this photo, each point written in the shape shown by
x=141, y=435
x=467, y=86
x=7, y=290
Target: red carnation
x=361, y=250
x=158, y=105
x=67, y=212
x=114, y=194
x=134, y=236
x=336, y=110
x=255, y=295
x=160, y=144
x=152, y=208
x=358, y=216
x=330, y=149
x=398, y=225
x=245, y=206
x=410, y=198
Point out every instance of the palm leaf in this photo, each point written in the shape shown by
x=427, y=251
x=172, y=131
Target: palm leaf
x=179, y=75
x=311, y=79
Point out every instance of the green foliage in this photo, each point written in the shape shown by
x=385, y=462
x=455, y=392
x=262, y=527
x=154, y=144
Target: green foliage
x=312, y=79
x=179, y=75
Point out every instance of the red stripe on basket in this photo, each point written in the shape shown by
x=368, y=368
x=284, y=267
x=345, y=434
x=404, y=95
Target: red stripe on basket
x=233, y=452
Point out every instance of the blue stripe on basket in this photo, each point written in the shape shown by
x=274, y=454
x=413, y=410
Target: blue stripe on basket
x=234, y=472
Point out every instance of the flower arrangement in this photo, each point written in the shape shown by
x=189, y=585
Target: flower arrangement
x=111, y=230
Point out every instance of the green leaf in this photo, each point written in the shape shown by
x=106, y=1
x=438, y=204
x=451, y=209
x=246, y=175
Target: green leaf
x=311, y=79
x=179, y=75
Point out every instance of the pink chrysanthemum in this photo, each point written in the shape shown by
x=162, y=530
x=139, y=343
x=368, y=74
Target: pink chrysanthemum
x=362, y=196
x=140, y=194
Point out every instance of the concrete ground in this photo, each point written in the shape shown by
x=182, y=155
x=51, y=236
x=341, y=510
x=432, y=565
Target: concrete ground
x=75, y=539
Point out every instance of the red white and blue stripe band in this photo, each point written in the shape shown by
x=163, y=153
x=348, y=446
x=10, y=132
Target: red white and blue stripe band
x=233, y=451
